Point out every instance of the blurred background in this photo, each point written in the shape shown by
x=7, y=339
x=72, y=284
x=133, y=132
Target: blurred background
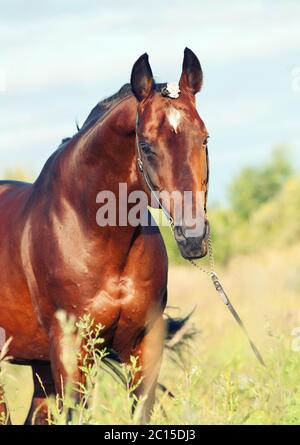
x=58, y=59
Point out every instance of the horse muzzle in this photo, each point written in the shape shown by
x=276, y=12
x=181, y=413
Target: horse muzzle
x=192, y=247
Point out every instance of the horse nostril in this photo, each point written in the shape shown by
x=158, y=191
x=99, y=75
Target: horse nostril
x=180, y=236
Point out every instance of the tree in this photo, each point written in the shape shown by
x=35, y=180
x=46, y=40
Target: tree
x=256, y=185
x=17, y=174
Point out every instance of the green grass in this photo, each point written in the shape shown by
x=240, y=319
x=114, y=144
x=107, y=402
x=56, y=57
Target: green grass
x=219, y=389
x=218, y=380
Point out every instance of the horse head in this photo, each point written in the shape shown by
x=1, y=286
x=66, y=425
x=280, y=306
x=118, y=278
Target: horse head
x=172, y=150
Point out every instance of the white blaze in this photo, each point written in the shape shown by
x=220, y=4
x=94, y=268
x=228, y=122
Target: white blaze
x=174, y=117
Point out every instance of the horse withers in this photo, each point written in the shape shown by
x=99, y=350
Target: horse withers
x=55, y=255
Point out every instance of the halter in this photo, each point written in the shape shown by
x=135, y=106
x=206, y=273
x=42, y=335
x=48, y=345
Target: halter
x=146, y=176
x=211, y=272
x=172, y=91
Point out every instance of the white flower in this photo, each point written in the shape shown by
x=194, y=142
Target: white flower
x=173, y=90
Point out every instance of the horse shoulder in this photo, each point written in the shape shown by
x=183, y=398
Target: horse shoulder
x=149, y=251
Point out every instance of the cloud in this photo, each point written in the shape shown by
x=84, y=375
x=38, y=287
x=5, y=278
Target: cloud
x=98, y=43
x=60, y=58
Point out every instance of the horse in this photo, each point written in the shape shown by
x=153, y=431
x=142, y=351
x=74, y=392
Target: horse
x=55, y=256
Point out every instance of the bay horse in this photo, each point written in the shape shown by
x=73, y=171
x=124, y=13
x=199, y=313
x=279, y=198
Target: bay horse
x=54, y=255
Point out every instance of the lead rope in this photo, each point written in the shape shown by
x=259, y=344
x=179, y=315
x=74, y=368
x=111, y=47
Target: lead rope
x=211, y=273
x=222, y=294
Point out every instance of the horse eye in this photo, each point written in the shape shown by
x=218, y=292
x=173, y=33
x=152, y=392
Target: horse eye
x=146, y=147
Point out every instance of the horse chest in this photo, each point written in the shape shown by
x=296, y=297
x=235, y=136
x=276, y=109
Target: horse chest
x=126, y=298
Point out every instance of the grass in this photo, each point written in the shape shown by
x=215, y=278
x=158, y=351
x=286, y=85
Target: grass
x=218, y=381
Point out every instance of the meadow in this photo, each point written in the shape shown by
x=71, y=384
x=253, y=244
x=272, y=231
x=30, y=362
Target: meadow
x=216, y=379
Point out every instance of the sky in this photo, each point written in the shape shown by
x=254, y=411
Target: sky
x=59, y=58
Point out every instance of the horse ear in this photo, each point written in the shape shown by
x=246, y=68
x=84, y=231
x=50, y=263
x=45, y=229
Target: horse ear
x=142, y=82
x=192, y=75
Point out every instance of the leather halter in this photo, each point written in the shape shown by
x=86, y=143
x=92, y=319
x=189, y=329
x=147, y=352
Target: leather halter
x=146, y=177
x=216, y=282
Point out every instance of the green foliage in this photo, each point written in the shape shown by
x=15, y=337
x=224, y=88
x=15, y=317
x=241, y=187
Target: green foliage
x=218, y=380
x=17, y=174
x=82, y=344
x=263, y=214
x=223, y=222
x=234, y=394
x=255, y=186
x=274, y=224
x=263, y=210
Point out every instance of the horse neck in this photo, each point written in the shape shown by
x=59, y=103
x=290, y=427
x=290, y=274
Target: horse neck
x=104, y=155
x=99, y=159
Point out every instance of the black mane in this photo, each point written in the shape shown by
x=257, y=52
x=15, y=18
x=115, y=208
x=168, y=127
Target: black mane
x=103, y=107
x=106, y=104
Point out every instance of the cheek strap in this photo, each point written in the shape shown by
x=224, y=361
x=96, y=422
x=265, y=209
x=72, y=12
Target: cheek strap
x=146, y=177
